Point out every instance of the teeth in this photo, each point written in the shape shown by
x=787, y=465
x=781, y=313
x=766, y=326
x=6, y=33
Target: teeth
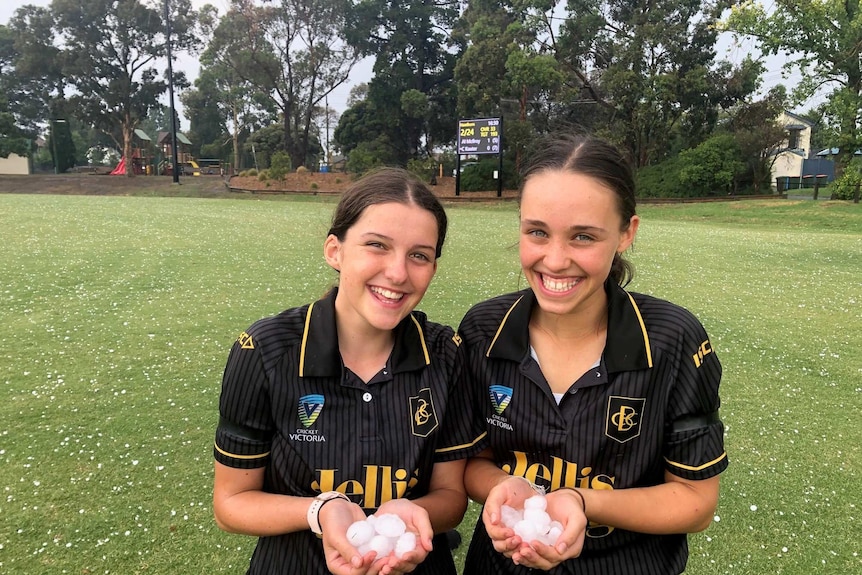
x=558, y=285
x=385, y=293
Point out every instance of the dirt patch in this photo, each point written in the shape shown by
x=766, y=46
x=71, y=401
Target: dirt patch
x=334, y=183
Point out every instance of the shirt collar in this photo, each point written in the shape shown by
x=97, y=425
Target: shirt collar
x=627, y=347
x=319, y=355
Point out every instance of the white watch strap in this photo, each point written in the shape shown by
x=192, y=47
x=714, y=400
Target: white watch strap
x=314, y=509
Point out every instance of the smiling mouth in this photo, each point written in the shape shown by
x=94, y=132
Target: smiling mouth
x=558, y=285
x=386, y=294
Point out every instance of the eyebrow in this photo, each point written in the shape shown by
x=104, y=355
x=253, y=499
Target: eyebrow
x=366, y=235
x=575, y=228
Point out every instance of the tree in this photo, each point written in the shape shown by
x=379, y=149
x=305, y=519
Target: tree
x=759, y=136
x=409, y=107
x=109, y=52
x=824, y=40
x=293, y=53
x=651, y=69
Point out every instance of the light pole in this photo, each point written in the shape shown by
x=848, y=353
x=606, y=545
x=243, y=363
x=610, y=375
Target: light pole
x=176, y=170
x=54, y=143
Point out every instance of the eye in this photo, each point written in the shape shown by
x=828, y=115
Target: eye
x=583, y=238
x=421, y=256
x=375, y=245
x=536, y=233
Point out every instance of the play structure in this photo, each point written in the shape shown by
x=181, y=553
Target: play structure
x=151, y=159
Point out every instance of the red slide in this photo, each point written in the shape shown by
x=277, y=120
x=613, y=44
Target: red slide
x=120, y=170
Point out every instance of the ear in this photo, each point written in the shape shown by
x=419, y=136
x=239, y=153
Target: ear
x=628, y=236
x=332, y=252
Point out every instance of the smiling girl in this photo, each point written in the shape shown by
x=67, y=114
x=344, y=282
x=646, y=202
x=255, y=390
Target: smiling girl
x=349, y=406
x=606, y=399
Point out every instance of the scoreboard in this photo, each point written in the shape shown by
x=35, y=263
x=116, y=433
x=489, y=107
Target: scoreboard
x=479, y=136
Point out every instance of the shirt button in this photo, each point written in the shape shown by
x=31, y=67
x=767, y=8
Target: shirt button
x=366, y=397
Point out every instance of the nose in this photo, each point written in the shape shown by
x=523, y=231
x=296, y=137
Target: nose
x=396, y=269
x=556, y=256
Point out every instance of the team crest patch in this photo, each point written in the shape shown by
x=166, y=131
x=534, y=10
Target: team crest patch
x=310, y=407
x=501, y=396
x=423, y=417
x=624, y=417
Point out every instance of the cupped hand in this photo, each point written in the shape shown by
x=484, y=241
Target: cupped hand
x=511, y=491
x=342, y=558
x=566, y=507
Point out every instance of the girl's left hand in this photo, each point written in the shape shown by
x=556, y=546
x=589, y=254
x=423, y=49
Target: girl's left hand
x=567, y=508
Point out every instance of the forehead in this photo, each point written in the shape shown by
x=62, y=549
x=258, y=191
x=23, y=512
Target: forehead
x=395, y=219
x=559, y=194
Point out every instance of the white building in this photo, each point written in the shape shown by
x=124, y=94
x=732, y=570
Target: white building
x=793, y=152
x=15, y=164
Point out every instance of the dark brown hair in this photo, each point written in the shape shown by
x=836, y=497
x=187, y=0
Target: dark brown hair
x=596, y=158
x=382, y=186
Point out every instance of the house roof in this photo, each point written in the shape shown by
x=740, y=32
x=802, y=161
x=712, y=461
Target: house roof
x=165, y=138
x=142, y=135
x=805, y=123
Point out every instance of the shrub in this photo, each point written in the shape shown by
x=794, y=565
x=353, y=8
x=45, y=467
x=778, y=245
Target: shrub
x=263, y=176
x=301, y=170
x=337, y=180
x=249, y=173
x=314, y=185
x=844, y=187
x=279, y=165
x=480, y=176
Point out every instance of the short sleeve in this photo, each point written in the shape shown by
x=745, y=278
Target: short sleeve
x=694, y=443
x=245, y=430
x=461, y=436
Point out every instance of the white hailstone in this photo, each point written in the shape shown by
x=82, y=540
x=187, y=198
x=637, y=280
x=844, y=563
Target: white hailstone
x=553, y=534
x=390, y=525
x=537, y=517
x=536, y=502
x=526, y=530
x=405, y=544
x=360, y=533
x=382, y=534
x=510, y=516
x=382, y=545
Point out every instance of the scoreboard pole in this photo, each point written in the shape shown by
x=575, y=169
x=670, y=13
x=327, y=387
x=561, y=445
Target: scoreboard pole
x=500, y=169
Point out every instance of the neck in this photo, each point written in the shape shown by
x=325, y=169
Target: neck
x=572, y=327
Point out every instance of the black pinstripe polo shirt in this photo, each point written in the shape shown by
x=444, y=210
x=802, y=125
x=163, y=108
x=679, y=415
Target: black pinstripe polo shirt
x=288, y=404
x=649, y=406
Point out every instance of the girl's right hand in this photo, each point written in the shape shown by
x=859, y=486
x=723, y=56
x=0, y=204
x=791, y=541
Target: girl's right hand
x=342, y=558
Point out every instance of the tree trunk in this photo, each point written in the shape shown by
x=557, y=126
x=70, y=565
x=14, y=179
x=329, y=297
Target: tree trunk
x=127, y=148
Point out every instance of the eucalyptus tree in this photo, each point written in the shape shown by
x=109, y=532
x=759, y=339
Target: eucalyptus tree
x=223, y=101
x=824, y=40
x=112, y=52
x=293, y=53
x=651, y=68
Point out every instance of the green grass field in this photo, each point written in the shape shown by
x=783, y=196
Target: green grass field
x=118, y=313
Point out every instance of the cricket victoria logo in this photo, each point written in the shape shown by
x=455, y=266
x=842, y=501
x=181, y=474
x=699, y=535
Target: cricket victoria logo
x=501, y=397
x=310, y=407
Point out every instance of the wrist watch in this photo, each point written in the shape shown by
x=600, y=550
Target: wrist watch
x=316, y=505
